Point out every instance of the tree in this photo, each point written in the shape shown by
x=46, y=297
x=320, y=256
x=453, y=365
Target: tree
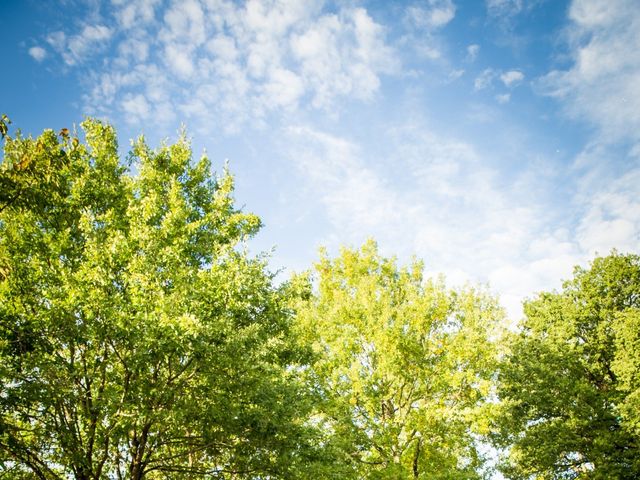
x=137, y=338
x=4, y=125
x=626, y=366
x=571, y=377
x=402, y=365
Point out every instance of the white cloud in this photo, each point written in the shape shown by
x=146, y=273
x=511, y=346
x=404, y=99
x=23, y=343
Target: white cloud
x=611, y=210
x=595, y=13
x=603, y=84
x=136, y=50
x=423, y=22
x=504, y=8
x=130, y=14
x=178, y=59
x=184, y=22
x=435, y=14
x=485, y=79
x=512, y=77
x=283, y=89
x=450, y=208
x=427, y=50
x=57, y=40
x=503, y=98
x=80, y=46
x=356, y=199
x=247, y=60
x=223, y=48
x=342, y=56
x=38, y=53
x=75, y=49
x=456, y=74
x=136, y=108
x=472, y=52
x=602, y=87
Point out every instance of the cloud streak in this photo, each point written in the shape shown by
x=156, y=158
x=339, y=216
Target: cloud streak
x=451, y=209
x=603, y=84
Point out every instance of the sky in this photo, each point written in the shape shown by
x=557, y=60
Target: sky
x=497, y=140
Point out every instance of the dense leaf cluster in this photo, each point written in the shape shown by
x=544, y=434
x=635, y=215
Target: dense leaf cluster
x=570, y=383
x=140, y=340
x=137, y=339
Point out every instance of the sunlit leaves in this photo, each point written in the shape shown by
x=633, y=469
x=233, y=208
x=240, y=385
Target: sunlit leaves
x=402, y=364
x=137, y=340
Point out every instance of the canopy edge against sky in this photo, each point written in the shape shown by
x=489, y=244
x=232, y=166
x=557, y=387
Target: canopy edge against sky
x=497, y=140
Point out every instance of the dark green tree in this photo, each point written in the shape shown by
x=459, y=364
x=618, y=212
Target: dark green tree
x=627, y=365
x=568, y=387
x=137, y=339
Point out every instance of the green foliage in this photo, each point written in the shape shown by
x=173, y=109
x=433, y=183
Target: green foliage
x=626, y=365
x=4, y=125
x=569, y=386
x=137, y=340
x=402, y=365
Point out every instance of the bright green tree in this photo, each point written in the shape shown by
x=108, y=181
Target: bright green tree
x=626, y=365
x=137, y=339
x=402, y=365
x=572, y=377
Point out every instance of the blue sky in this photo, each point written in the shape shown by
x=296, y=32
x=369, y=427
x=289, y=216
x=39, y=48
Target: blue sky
x=498, y=140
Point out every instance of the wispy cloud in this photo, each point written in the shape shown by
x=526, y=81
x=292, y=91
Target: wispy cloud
x=235, y=63
x=607, y=199
x=472, y=52
x=603, y=84
x=76, y=48
x=432, y=14
x=38, y=53
x=134, y=14
x=423, y=22
x=504, y=8
x=602, y=87
x=485, y=79
x=451, y=208
x=503, y=98
x=512, y=77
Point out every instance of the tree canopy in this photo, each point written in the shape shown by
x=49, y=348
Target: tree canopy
x=140, y=340
x=137, y=338
x=402, y=365
x=569, y=386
